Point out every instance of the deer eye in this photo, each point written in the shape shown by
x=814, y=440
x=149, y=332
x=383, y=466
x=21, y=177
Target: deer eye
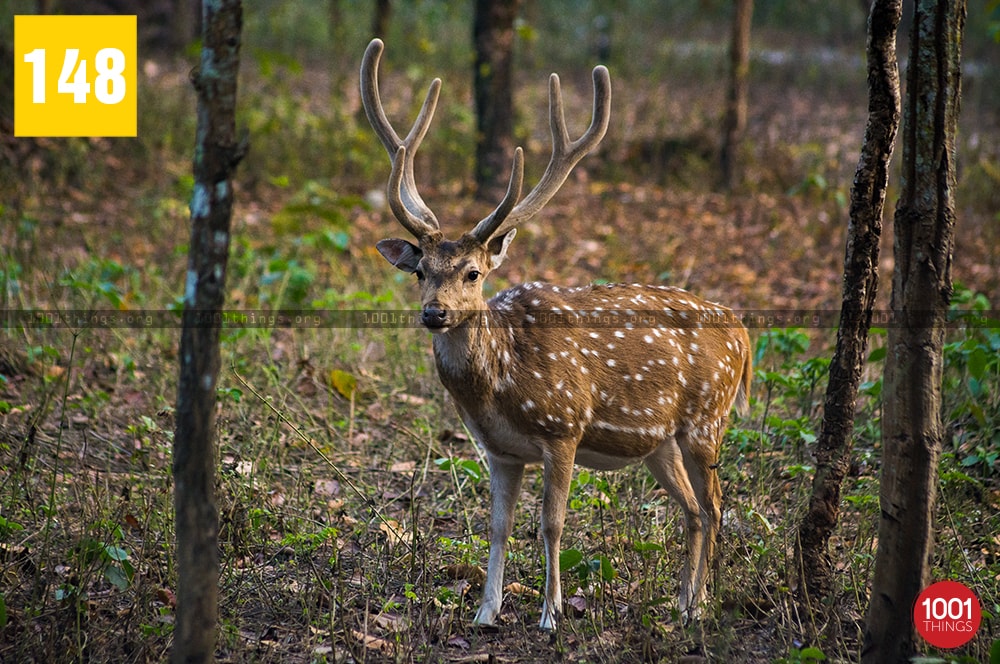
x=473, y=275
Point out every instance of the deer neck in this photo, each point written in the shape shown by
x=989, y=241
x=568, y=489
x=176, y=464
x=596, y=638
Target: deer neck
x=476, y=357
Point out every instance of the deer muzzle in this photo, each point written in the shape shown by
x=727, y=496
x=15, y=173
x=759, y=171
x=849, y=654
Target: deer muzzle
x=434, y=317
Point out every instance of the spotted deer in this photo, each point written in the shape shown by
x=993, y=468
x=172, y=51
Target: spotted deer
x=601, y=375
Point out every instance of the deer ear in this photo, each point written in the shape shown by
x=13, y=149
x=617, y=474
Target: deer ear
x=404, y=255
x=497, y=247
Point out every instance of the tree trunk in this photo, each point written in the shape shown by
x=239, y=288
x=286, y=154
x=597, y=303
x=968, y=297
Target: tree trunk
x=217, y=152
x=921, y=290
x=380, y=21
x=735, y=121
x=493, y=37
x=833, y=449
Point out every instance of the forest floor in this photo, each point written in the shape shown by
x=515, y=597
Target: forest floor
x=353, y=504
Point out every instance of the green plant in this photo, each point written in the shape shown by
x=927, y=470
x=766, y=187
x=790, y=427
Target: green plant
x=972, y=382
x=807, y=655
x=596, y=568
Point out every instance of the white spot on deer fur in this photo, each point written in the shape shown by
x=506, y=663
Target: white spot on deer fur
x=619, y=334
x=559, y=385
x=594, y=335
x=675, y=361
x=572, y=361
x=536, y=375
x=690, y=359
x=563, y=353
x=611, y=363
x=584, y=371
x=529, y=318
x=626, y=378
x=527, y=405
x=506, y=356
x=536, y=302
x=638, y=376
x=681, y=379
x=552, y=356
x=694, y=347
x=611, y=346
x=648, y=339
x=715, y=376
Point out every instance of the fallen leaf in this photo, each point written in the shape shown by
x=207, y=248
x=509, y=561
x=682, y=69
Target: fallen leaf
x=395, y=532
x=374, y=642
x=326, y=487
x=472, y=573
x=579, y=605
x=516, y=588
x=392, y=622
x=166, y=597
x=344, y=382
x=457, y=642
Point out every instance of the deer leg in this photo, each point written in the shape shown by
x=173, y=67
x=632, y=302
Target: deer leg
x=701, y=454
x=505, y=486
x=666, y=463
x=556, y=475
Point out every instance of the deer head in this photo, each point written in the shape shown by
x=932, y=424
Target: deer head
x=451, y=273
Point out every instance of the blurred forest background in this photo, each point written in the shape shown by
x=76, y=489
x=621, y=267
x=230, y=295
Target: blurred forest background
x=353, y=502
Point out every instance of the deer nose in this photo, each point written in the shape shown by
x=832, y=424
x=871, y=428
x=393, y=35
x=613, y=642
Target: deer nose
x=434, y=316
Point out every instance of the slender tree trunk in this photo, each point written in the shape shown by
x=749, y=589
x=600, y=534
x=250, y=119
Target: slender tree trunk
x=380, y=20
x=217, y=152
x=921, y=290
x=735, y=121
x=833, y=449
x=493, y=37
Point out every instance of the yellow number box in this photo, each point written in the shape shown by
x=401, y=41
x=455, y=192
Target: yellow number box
x=75, y=76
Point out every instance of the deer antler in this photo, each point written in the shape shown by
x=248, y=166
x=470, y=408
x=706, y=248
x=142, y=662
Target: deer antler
x=565, y=155
x=404, y=200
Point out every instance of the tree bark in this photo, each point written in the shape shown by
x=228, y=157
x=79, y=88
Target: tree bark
x=833, y=448
x=735, y=120
x=923, y=245
x=493, y=37
x=380, y=19
x=217, y=152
